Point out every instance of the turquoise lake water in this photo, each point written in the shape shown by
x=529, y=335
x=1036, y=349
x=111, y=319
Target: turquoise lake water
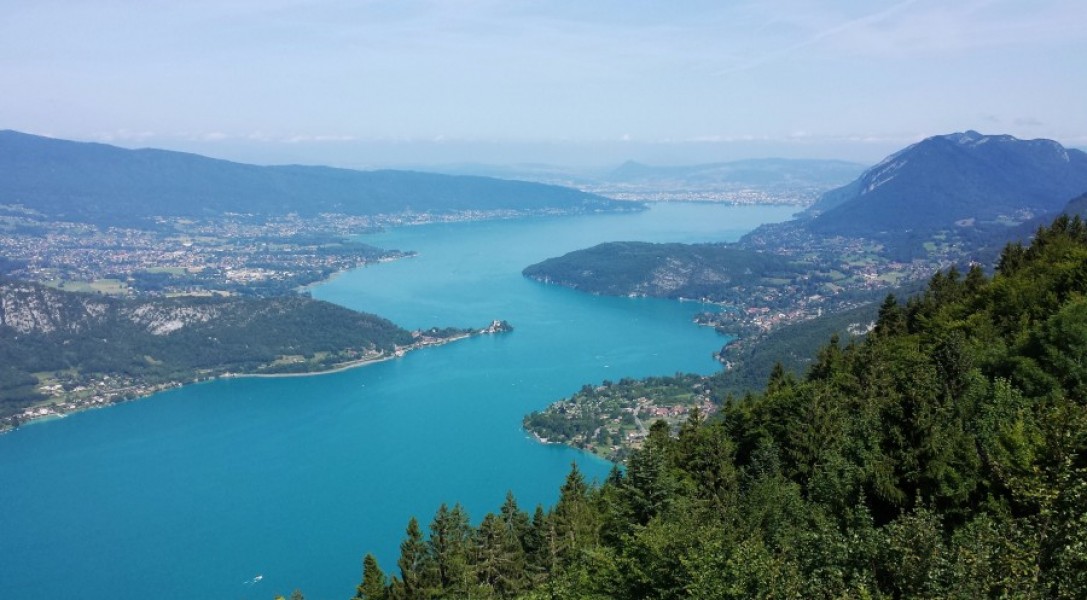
x=194, y=492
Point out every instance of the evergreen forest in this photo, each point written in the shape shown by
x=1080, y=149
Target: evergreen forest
x=944, y=455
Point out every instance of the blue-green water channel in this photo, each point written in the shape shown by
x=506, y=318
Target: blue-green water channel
x=193, y=493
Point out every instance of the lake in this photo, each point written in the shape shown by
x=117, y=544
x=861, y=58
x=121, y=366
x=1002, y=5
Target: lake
x=194, y=492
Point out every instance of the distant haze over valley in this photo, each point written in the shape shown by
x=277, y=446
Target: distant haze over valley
x=445, y=154
x=747, y=181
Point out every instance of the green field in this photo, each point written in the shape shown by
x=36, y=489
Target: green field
x=111, y=287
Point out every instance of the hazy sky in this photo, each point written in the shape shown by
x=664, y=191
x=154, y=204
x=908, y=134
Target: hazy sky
x=398, y=82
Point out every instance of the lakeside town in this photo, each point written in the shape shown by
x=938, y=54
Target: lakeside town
x=613, y=419
x=737, y=195
x=839, y=274
x=231, y=255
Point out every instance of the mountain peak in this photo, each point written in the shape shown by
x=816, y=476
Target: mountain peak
x=964, y=137
x=973, y=138
x=929, y=186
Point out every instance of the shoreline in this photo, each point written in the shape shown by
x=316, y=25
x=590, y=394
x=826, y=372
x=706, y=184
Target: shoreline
x=82, y=406
x=362, y=362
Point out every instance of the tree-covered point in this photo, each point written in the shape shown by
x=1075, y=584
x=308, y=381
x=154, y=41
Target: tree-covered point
x=943, y=456
x=666, y=270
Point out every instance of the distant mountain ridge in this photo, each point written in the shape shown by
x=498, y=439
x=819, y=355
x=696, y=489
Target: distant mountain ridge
x=772, y=173
x=82, y=181
x=755, y=172
x=944, y=180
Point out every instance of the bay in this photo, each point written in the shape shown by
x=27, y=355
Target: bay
x=194, y=492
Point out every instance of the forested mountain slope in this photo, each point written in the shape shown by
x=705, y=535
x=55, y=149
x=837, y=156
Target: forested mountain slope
x=104, y=184
x=944, y=456
x=76, y=338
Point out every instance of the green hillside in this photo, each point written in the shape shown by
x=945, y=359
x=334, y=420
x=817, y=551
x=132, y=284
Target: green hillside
x=664, y=270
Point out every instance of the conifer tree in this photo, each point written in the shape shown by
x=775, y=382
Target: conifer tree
x=449, y=549
x=373, y=586
x=414, y=566
x=535, y=544
x=515, y=519
x=573, y=522
x=500, y=566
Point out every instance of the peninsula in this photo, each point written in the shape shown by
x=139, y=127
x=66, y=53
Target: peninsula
x=65, y=351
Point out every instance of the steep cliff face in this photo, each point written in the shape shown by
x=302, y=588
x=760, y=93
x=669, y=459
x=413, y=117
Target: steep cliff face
x=160, y=319
x=29, y=308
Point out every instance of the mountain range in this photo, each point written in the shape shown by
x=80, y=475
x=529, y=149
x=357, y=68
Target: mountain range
x=763, y=172
x=776, y=174
x=90, y=182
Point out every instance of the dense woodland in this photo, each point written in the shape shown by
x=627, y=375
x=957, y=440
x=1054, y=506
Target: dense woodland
x=944, y=456
x=714, y=271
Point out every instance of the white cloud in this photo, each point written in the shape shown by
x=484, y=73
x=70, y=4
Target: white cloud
x=298, y=138
x=124, y=135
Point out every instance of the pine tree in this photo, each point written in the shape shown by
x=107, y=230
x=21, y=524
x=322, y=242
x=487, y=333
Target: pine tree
x=374, y=585
x=500, y=565
x=449, y=548
x=892, y=319
x=515, y=519
x=647, y=485
x=517, y=528
x=536, y=555
x=573, y=521
x=414, y=566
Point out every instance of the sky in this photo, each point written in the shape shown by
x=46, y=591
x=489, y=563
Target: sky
x=378, y=83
